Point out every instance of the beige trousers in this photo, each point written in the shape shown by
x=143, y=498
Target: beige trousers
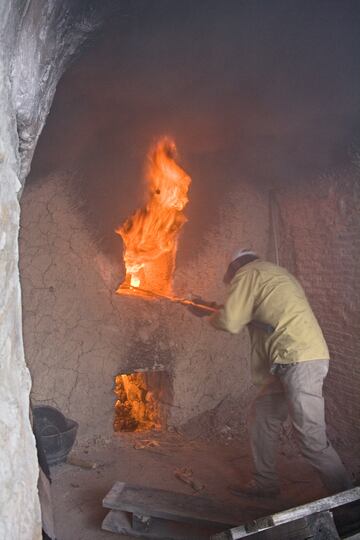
x=295, y=390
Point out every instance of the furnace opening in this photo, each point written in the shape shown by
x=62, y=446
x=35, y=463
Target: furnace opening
x=142, y=399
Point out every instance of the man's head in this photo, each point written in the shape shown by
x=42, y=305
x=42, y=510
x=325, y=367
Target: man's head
x=239, y=258
x=242, y=252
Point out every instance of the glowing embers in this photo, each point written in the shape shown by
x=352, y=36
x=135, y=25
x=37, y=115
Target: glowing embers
x=150, y=234
x=141, y=402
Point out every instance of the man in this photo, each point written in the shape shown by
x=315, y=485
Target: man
x=289, y=360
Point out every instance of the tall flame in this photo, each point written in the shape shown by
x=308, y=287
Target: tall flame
x=150, y=234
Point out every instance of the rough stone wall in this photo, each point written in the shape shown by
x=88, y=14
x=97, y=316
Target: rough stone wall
x=34, y=49
x=79, y=334
x=320, y=240
x=18, y=469
x=49, y=34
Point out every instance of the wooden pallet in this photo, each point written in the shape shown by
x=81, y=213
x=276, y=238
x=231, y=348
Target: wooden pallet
x=158, y=514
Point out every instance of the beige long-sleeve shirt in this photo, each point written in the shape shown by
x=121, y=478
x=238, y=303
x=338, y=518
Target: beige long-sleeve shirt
x=261, y=291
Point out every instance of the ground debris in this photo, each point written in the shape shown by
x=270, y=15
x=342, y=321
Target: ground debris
x=185, y=474
x=146, y=443
x=82, y=463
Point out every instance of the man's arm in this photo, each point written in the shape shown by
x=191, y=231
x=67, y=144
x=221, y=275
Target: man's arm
x=239, y=304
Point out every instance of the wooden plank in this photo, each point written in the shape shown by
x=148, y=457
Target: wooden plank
x=294, y=530
x=327, y=503
x=168, y=505
x=120, y=522
x=293, y=514
x=141, y=523
x=322, y=526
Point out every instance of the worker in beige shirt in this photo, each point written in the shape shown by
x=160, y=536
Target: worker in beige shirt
x=289, y=360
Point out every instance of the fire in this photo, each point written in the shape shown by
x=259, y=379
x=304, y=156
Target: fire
x=137, y=407
x=150, y=235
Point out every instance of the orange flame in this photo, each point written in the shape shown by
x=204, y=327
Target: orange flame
x=137, y=408
x=150, y=234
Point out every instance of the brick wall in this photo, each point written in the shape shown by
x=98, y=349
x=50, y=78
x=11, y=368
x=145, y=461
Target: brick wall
x=319, y=236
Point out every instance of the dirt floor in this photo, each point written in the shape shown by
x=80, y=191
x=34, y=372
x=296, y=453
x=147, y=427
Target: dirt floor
x=151, y=460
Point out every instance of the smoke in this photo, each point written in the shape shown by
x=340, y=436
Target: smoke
x=253, y=92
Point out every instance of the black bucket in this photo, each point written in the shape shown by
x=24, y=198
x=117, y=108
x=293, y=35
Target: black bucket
x=56, y=432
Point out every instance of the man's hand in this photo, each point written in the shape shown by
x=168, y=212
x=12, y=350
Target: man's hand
x=199, y=307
